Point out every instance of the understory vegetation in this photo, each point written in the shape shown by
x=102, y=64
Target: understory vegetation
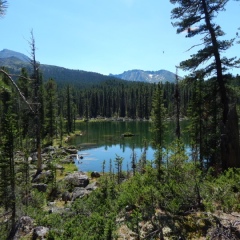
x=185, y=202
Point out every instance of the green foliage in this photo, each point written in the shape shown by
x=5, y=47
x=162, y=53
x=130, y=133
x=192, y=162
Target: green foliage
x=222, y=192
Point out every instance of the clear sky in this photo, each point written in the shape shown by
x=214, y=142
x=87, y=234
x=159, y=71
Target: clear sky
x=104, y=36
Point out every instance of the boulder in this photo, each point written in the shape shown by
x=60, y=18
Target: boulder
x=79, y=192
x=95, y=174
x=71, y=150
x=91, y=186
x=66, y=196
x=63, y=152
x=77, y=179
x=41, y=187
x=34, y=157
x=25, y=227
x=59, y=167
x=48, y=149
x=40, y=232
x=44, y=176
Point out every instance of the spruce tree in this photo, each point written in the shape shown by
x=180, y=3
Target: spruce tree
x=158, y=125
x=51, y=109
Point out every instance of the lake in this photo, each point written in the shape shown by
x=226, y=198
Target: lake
x=103, y=141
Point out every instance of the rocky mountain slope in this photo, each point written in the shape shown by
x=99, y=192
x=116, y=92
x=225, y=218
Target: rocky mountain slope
x=147, y=76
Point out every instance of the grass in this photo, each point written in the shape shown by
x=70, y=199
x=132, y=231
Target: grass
x=68, y=168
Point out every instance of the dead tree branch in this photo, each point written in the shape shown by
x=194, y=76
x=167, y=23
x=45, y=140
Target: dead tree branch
x=18, y=90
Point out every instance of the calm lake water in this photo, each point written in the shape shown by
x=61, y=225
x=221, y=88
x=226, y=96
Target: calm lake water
x=103, y=141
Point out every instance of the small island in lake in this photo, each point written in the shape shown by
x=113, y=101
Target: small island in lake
x=128, y=134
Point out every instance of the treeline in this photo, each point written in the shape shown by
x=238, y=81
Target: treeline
x=61, y=106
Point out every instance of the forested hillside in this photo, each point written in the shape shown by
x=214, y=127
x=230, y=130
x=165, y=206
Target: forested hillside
x=15, y=61
x=62, y=76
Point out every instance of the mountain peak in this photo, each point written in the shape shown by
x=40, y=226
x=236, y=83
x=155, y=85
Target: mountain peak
x=6, y=53
x=147, y=76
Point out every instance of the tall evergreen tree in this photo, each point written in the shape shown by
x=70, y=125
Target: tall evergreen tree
x=158, y=125
x=37, y=101
x=8, y=134
x=51, y=109
x=202, y=13
x=195, y=113
x=69, y=111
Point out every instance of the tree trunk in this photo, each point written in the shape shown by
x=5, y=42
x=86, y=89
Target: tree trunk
x=230, y=140
x=229, y=149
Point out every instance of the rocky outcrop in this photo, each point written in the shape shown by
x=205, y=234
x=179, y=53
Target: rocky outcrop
x=78, y=192
x=25, y=227
x=77, y=179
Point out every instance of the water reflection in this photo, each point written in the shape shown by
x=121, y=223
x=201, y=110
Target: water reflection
x=101, y=141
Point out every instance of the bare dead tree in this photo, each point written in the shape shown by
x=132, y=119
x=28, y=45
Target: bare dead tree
x=17, y=89
x=36, y=80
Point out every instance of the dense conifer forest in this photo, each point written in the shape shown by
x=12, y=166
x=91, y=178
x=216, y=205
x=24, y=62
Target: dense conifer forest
x=196, y=196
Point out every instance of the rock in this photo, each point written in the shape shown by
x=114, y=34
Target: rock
x=34, y=157
x=79, y=192
x=66, y=196
x=73, y=156
x=95, y=175
x=42, y=177
x=40, y=232
x=44, y=167
x=63, y=153
x=71, y=150
x=26, y=224
x=59, y=167
x=77, y=179
x=91, y=186
x=67, y=160
x=41, y=187
x=48, y=149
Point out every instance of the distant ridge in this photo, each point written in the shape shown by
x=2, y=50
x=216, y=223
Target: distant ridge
x=6, y=53
x=15, y=61
x=147, y=76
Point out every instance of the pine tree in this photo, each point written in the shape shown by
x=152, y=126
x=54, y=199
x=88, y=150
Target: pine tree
x=8, y=134
x=202, y=13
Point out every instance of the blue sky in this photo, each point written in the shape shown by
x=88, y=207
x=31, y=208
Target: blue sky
x=104, y=36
